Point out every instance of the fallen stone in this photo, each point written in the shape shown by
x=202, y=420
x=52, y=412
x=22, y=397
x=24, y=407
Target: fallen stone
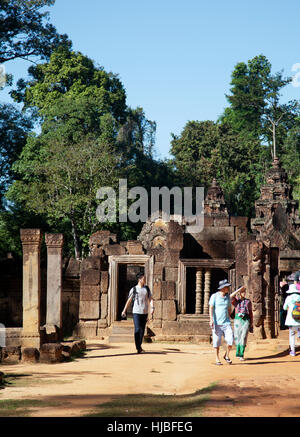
x=11, y=354
x=51, y=353
x=30, y=355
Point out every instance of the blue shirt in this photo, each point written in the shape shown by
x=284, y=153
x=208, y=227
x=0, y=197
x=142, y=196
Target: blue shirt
x=221, y=305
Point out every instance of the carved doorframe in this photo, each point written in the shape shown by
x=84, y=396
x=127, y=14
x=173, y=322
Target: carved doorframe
x=217, y=263
x=114, y=261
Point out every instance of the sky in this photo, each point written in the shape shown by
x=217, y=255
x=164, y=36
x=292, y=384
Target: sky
x=175, y=57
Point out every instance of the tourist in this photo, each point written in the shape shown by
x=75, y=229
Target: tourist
x=292, y=305
x=219, y=312
x=243, y=321
x=141, y=297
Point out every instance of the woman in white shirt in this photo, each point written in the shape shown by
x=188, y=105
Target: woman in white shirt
x=292, y=319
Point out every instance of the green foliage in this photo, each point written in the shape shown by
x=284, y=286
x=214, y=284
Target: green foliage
x=60, y=180
x=27, y=17
x=13, y=132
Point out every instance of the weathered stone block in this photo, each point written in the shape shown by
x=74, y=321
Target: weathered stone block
x=114, y=249
x=208, y=221
x=220, y=233
x=221, y=221
x=157, y=323
x=91, y=262
x=134, y=247
x=171, y=258
x=241, y=257
x=90, y=277
x=156, y=293
x=239, y=221
x=30, y=355
x=90, y=292
x=169, y=310
x=158, y=269
x=104, y=282
x=102, y=323
x=87, y=329
x=171, y=274
x=89, y=309
x=104, y=300
x=11, y=354
x=157, y=309
x=168, y=290
x=215, y=249
x=73, y=269
x=51, y=353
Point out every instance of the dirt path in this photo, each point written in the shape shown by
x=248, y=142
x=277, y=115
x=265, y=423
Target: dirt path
x=266, y=384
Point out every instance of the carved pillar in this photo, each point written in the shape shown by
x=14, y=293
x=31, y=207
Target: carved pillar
x=54, y=244
x=31, y=243
x=206, y=290
x=199, y=297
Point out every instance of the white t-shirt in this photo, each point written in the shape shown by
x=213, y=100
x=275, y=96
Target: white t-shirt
x=288, y=305
x=141, y=301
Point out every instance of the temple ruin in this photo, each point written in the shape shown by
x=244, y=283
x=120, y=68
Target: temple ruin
x=85, y=298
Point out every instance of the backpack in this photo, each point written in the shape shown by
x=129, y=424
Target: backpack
x=135, y=292
x=296, y=311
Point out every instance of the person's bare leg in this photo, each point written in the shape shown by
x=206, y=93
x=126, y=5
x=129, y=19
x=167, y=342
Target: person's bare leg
x=217, y=353
x=228, y=349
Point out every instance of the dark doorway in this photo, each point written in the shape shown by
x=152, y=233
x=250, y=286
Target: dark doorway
x=127, y=280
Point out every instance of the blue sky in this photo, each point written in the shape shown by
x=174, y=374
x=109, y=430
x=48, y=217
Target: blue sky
x=174, y=57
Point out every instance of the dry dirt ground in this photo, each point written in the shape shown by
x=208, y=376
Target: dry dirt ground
x=266, y=384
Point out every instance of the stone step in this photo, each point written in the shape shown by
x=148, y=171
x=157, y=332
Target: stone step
x=117, y=329
x=121, y=338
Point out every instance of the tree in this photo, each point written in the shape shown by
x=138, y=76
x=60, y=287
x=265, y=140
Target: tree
x=59, y=180
x=25, y=31
x=205, y=150
x=14, y=128
x=71, y=77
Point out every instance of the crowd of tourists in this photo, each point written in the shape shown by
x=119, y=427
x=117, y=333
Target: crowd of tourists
x=220, y=311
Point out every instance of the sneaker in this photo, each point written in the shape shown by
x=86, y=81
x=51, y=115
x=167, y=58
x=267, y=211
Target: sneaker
x=292, y=354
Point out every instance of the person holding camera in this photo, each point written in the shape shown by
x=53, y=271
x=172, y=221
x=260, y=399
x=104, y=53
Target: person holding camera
x=243, y=320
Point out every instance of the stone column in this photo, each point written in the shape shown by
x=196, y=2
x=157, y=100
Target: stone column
x=54, y=244
x=206, y=290
x=31, y=242
x=199, y=298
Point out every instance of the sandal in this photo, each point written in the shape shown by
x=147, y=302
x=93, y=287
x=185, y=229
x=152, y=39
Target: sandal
x=218, y=363
x=227, y=359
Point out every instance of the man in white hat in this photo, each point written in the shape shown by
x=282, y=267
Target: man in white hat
x=219, y=312
x=292, y=306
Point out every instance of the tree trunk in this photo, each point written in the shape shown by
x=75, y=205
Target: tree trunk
x=75, y=238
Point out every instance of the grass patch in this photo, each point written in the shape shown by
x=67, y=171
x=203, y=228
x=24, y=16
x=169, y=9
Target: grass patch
x=155, y=405
x=22, y=407
x=27, y=380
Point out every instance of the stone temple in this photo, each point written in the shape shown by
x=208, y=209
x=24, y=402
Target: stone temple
x=48, y=297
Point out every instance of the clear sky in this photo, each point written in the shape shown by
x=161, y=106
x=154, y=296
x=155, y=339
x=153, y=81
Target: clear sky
x=175, y=57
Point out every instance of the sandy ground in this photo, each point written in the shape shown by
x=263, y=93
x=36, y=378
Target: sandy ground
x=266, y=384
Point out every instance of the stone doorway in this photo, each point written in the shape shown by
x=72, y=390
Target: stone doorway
x=126, y=280
x=121, y=278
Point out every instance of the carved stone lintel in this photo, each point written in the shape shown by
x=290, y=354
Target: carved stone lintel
x=31, y=236
x=54, y=240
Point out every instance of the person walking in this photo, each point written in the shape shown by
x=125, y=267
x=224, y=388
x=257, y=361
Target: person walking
x=292, y=305
x=141, y=296
x=219, y=313
x=243, y=320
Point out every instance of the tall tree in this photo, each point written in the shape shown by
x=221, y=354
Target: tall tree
x=14, y=128
x=25, y=31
